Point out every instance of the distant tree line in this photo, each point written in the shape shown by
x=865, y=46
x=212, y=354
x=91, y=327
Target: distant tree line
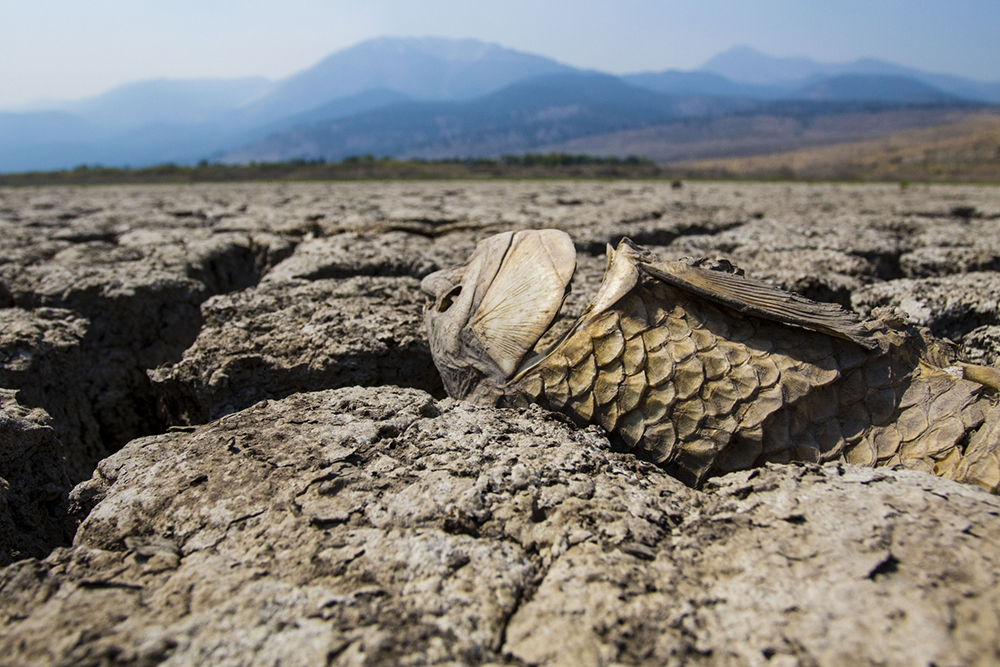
x=529, y=165
x=549, y=160
x=526, y=160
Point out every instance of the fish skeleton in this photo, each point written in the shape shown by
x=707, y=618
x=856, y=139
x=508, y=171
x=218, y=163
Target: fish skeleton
x=704, y=370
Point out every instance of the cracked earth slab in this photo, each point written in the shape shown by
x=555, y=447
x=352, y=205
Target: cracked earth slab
x=135, y=263
x=379, y=526
x=963, y=308
x=449, y=534
x=283, y=338
x=128, y=275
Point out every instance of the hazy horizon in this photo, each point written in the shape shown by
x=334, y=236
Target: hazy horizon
x=56, y=50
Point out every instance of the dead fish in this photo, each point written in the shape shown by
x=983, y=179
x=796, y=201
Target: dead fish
x=704, y=370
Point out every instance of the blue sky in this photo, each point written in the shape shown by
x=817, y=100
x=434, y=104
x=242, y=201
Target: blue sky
x=65, y=49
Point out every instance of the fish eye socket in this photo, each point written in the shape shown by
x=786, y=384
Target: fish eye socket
x=449, y=299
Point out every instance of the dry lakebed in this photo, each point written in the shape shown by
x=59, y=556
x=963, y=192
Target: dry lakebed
x=223, y=440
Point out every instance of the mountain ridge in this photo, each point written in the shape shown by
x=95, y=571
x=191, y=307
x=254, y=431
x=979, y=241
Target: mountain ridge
x=538, y=114
x=515, y=118
x=186, y=121
x=169, y=100
x=421, y=68
x=751, y=66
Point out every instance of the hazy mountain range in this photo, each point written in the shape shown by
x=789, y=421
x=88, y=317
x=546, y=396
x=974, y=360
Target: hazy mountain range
x=429, y=97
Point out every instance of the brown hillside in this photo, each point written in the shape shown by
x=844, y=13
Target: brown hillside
x=732, y=136
x=967, y=150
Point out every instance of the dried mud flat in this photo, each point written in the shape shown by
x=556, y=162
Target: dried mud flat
x=237, y=382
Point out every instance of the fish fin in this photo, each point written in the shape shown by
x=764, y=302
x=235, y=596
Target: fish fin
x=524, y=296
x=620, y=278
x=754, y=297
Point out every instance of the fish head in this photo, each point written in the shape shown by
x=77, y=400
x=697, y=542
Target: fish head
x=485, y=317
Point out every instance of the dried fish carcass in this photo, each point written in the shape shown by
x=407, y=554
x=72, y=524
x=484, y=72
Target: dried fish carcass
x=704, y=370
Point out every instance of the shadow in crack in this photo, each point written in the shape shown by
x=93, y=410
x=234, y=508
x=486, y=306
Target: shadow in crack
x=126, y=318
x=242, y=381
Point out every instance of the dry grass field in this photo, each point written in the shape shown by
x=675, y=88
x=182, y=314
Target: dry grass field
x=731, y=136
x=966, y=150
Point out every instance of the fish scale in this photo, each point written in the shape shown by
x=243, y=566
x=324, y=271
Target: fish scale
x=711, y=378
x=705, y=371
x=778, y=395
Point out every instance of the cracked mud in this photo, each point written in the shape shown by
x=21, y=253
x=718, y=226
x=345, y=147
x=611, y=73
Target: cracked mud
x=237, y=378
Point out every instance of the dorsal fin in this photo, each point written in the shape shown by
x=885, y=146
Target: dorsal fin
x=754, y=297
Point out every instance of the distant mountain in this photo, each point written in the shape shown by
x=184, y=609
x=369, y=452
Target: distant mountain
x=812, y=85
x=55, y=140
x=340, y=107
x=874, y=88
x=747, y=65
x=676, y=82
x=529, y=113
x=422, y=68
x=40, y=126
x=435, y=97
x=183, y=121
x=165, y=101
x=132, y=124
x=30, y=142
